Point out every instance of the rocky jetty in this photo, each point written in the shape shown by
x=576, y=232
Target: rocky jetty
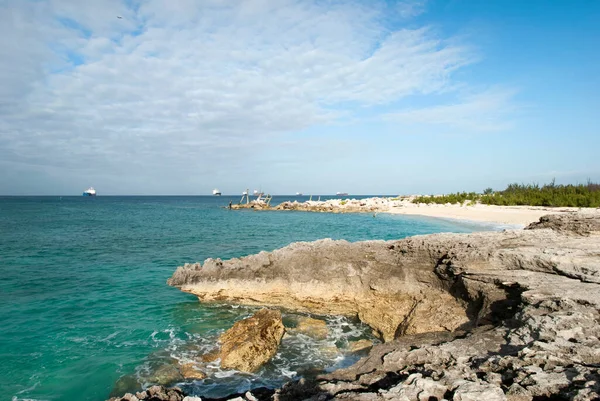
x=329, y=206
x=510, y=315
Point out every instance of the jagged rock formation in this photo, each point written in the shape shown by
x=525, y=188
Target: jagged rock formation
x=511, y=315
x=251, y=342
x=327, y=206
x=339, y=205
x=548, y=351
x=389, y=288
x=155, y=393
x=576, y=223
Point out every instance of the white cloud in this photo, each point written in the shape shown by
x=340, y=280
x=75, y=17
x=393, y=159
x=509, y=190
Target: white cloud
x=411, y=8
x=186, y=84
x=490, y=110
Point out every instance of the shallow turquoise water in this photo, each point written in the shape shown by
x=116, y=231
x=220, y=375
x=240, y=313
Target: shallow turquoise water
x=83, y=299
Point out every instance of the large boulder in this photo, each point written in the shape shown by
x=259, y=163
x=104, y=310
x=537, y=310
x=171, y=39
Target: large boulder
x=252, y=342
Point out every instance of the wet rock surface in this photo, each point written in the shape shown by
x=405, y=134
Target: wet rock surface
x=360, y=345
x=252, y=342
x=192, y=371
x=154, y=393
x=315, y=328
x=484, y=316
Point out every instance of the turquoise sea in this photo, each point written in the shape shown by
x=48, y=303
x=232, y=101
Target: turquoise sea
x=84, y=304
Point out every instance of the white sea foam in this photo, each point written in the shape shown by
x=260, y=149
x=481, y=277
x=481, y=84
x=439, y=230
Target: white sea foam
x=298, y=354
x=31, y=388
x=15, y=398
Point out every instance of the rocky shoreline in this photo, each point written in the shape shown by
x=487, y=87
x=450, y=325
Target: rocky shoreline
x=515, y=216
x=326, y=206
x=510, y=315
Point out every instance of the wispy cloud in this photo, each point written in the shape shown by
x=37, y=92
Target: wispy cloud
x=185, y=84
x=410, y=9
x=490, y=110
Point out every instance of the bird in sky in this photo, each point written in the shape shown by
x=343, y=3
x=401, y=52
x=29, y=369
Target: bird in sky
x=119, y=17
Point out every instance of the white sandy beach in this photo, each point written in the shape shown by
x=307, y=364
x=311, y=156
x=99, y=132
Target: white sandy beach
x=517, y=216
x=514, y=215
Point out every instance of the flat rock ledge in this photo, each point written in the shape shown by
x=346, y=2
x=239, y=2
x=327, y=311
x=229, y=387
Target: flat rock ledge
x=511, y=315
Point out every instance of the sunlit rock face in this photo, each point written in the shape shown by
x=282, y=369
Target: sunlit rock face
x=252, y=342
x=504, y=315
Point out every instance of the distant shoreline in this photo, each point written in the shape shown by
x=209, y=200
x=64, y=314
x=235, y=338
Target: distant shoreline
x=512, y=215
x=518, y=216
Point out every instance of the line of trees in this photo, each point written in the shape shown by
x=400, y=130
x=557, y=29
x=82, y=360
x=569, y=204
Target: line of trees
x=579, y=195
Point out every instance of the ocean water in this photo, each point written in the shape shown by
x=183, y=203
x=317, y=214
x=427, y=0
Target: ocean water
x=84, y=305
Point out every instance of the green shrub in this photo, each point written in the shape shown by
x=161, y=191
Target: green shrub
x=550, y=195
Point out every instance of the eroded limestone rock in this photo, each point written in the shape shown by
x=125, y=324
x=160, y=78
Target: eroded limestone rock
x=392, y=291
x=191, y=371
x=512, y=315
x=315, y=328
x=252, y=342
x=359, y=345
x=154, y=393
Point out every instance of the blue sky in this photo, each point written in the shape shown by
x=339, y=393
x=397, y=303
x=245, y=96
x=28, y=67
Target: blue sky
x=393, y=97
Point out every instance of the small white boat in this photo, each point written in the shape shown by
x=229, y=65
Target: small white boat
x=298, y=194
x=342, y=193
x=216, y=192
x=89, y=192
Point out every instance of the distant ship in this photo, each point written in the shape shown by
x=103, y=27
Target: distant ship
x=298, y=194
x=89, y=192
x=341, y=193
x=216, y=192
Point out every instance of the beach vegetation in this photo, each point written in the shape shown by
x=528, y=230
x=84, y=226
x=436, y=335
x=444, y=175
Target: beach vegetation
x=550, y=195
x=459, y=197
